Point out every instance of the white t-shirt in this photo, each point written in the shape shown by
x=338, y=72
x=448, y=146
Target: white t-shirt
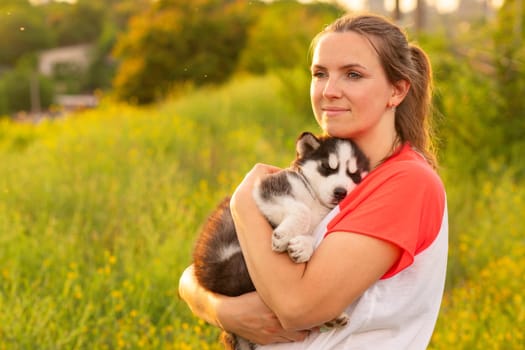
x=402, y=201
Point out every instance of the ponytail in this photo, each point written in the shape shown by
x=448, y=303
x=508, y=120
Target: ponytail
x=413, y=114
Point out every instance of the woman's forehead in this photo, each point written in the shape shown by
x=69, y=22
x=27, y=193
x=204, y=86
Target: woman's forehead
x=344, y=48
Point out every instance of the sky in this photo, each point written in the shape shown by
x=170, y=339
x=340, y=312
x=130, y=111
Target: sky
x=408, y=5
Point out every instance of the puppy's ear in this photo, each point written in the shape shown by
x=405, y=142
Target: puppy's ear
x=306, y=143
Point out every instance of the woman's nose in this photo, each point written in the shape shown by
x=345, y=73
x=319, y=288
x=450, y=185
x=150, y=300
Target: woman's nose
x=332, y=88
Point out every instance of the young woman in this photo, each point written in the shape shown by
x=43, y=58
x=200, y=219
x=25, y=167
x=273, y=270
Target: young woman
x=382, y=253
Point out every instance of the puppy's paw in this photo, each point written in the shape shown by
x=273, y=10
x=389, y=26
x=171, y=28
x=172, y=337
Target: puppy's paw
x=338, y=322
x=301, y=248
x=280, y=241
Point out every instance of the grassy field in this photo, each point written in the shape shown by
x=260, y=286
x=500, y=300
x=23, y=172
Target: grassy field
x=99, y=211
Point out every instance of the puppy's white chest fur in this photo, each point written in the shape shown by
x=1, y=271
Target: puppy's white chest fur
x=294, y=213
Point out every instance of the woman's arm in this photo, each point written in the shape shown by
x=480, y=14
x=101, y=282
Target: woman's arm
x=246, y=315
x=341, y=269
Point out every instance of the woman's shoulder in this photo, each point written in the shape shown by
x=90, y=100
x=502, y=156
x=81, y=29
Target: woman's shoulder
x=407, y=175
x=410, y=166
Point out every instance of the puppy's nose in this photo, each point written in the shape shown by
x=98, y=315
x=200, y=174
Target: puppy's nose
x=339, y=193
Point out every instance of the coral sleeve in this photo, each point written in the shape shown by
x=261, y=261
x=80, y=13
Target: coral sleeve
x=401, y=202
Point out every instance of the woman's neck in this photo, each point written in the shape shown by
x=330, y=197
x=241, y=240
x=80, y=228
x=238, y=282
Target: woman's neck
x=379, y=144
x=379, y=152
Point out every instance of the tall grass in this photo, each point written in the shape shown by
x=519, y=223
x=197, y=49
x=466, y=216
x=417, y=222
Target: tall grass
x=99, y=212
x=484, y=306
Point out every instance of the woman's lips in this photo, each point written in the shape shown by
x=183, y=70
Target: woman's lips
x=334, y=111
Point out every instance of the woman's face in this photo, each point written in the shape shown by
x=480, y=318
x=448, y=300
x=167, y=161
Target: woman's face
x=350, y=94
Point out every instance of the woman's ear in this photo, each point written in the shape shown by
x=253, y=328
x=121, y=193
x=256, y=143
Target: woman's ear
x=399, y=91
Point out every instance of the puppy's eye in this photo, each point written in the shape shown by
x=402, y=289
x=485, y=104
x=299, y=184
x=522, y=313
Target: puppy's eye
x=326, y=165
x=356, y=177
x=325, y=168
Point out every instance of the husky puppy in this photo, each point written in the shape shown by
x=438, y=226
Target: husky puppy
x=294, y=201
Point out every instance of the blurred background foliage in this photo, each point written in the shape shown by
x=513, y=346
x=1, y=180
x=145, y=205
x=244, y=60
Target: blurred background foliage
x=144, y=52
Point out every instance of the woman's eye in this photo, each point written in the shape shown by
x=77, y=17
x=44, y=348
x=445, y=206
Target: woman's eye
x=354, y=75
x=318, y=74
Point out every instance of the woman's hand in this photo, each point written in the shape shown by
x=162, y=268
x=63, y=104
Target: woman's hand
x=245, y=315
x=245, y=188
x=248, y=317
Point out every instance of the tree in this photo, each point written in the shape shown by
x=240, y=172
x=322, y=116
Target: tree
x=282, y=33
x=420, y=15
x=509, y=52
x=77, y=23
x=179, y=41
x=23, y=31
x=15, y=89
x=396, y=13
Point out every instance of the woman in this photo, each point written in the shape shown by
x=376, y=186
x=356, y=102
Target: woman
x=381, y=255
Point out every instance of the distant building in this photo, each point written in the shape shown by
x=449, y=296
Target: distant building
x=75, y=102
x=66, y=66
x=78, y=55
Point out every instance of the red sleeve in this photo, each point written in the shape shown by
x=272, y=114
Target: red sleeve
x=401, y=202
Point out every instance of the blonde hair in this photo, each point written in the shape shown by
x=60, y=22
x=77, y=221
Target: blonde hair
x=400, y=60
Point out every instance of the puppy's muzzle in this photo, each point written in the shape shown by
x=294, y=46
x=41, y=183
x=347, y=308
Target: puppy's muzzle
x=339, y=194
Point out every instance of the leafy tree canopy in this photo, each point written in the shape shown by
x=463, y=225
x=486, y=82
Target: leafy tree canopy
x=281, y=36
x=81, y=22
x=177, y=41
x=23, y=31
x=509, y=56
x=205, y=41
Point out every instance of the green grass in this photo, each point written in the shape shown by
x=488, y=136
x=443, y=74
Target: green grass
x=99, y=212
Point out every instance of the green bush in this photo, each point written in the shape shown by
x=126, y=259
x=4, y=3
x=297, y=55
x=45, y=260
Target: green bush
x=15, y=91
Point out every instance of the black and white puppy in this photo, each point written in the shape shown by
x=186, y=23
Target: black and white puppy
x=294, y=201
